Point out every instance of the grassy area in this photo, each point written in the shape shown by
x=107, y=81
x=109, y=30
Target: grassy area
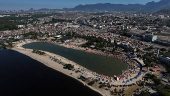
x=131, y=90
x=156, y=74
x=96, y=85
x=88, y=80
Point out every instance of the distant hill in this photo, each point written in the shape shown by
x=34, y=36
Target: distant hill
x=150, y=6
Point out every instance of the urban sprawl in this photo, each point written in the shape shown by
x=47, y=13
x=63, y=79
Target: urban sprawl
x=140, y=39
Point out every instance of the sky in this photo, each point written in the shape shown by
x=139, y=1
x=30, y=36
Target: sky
x=59, y=4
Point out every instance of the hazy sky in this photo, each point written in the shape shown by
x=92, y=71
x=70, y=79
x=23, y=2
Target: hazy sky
x=53, y=4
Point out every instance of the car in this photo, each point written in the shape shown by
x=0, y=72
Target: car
x=140, y=90
x=148, y=89
x=123, y=89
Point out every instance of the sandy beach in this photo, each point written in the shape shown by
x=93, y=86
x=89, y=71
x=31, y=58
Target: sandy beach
x=46, y=60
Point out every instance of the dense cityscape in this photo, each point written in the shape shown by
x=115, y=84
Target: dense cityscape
x=140, y=38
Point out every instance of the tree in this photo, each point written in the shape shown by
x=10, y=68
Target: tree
x=126, y=50
x=69, y=66
x=62, y=40
x=111, y=92
x=113, y=49
x=147, y=63
x=138, y=50
x=3, y=45
x=142, y=83
x=139, y=55
x=144, y=93
x=152, y=76
x=163, y=92
x=115, y=90
x=163, y=49
x=157, y=81
x=120, y=91
x=168, y=70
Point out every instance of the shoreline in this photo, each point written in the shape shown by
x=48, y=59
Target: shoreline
x=59, y=67
x=56, y=66
x=127, y=74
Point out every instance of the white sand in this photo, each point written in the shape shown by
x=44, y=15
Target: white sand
x=54, y=65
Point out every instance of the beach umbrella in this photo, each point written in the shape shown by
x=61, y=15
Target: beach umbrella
x=124, y=81
x=128, y=80
x=103, y=79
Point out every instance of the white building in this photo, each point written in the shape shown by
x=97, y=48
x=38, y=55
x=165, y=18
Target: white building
x=20, y=26
x=55, y=24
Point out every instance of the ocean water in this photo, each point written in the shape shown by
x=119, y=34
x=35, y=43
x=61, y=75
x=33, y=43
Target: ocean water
x=21, y=75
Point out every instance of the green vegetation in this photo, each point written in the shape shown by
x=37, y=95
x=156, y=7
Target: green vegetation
x=115, y=90
x=9, y=43
x=12, y=26
x=157, y=81
x=45, y=15
x=154, y=78
x=98, y=43
x=38, y=52
x=124, y=33
x=144, y=93
x=69, y=66
x=168, y=70
x=58, y=20
x=3, y=45
x=9, y=23
x=165, y=91
x=148, y=59
x=163, y=49
x=31, y=35
x=40, y=15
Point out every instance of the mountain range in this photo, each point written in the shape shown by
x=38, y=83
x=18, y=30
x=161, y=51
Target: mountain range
x=150, y=6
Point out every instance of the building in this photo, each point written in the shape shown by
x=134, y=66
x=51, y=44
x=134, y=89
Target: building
x=161, y=16
x=165, y=58
x=58, y=36
x=20, y=26
x=144, y=69
x=155, y=69
x=165, y=80
x=150, y=38
x=111, y=40
x=153, y=92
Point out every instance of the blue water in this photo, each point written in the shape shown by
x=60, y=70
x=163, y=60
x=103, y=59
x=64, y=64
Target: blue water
x=22, y=76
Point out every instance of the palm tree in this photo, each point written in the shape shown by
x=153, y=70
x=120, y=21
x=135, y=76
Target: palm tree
x=120, y=91
x=115, y=90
